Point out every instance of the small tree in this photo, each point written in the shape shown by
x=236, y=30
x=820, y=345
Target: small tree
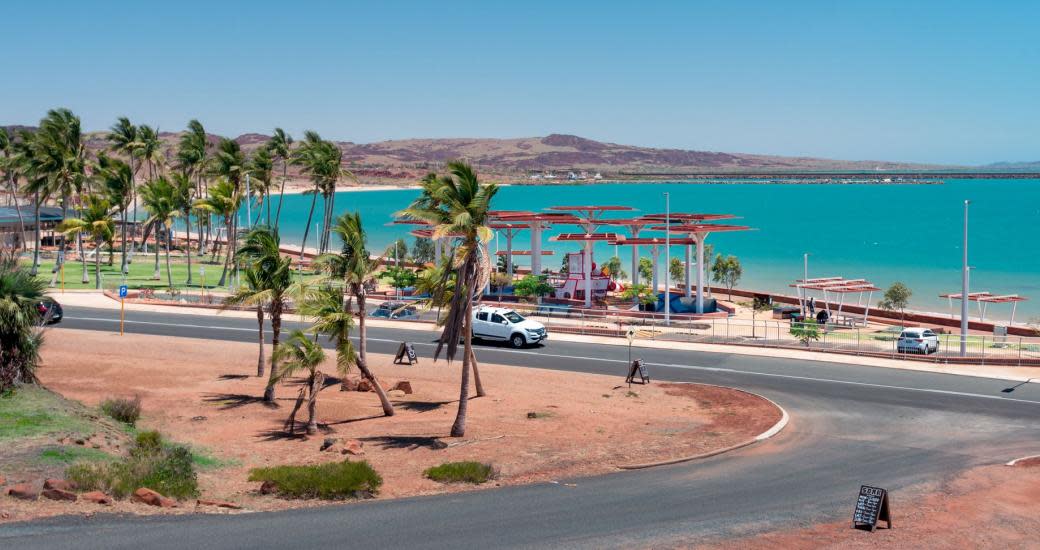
x=677, y=271
x=397, y=251
x=896, y=298
x=533, y=285
x=641, y=293
x=422, y=250
x=399, y=277
x=301, y=353
x=646, y=269
x=807, y=331
x=727, y=271
x=613, y=266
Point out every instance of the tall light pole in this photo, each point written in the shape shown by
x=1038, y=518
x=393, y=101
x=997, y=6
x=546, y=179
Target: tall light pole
x=667, y=260
x=249, y=199
x=805, y=281
x=964, y=286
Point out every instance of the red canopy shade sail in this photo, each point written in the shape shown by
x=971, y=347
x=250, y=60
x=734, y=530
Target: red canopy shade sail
x=585, y=237
x=523, y=253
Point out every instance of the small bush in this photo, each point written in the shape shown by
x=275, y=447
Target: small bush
x=333, y=481
x=461, y=472
x=168, y=469
x=122, y=409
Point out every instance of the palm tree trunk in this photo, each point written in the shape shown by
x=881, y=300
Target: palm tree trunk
x=276, y=330
x=156, y=274
x=362, y=362
x=476, y=374
x=122, y=217
x=133, y=202
x=268, y=209
x=307, y=227
x=83, y=258
x=169, y=272
x=281, y=195
x=227, y=256
x=39, y=238
x=187, y=249
x=18, y=210
x=458, y=429
x=260, y=324
x=312, y=403
x=97, y=264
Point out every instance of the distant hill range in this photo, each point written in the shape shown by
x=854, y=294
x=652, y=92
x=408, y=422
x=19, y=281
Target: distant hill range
x=517, y=159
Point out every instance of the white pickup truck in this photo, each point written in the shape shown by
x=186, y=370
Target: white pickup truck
x=506, y=325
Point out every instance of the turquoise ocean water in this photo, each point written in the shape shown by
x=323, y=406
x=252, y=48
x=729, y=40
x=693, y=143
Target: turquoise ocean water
x=883, y=233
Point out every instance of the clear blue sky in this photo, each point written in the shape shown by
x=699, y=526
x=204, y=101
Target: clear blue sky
x=945, y=82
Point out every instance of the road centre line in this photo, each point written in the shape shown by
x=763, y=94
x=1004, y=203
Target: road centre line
x=668, y=365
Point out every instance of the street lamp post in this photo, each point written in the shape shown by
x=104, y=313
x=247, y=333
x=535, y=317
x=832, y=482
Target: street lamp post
x=964, y=285
x=667, y=260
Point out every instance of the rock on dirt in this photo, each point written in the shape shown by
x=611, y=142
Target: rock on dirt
x=97, y=497
x=353, y=447
x=218, y=504
x=395, y=393
x=152, y=498
x=59, y=484
x=268, y=488
x=59, y=494
x=23, y=491
x=404, y=386
x=328, y=443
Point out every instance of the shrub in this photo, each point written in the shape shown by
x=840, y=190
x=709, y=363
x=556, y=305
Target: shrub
x=461, y=472
x=122, y=409
x=332, y=481
x=533, y=285
x=168, y=469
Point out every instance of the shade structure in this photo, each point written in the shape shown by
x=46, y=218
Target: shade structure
x=536, y=222
x=983, y=299
x=699, y=232
x=655, y=244
x=840, y=286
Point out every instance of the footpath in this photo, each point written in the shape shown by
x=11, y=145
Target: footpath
x=95, y=299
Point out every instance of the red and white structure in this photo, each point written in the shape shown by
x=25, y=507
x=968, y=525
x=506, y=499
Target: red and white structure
x=983, y=299
x=839, y=287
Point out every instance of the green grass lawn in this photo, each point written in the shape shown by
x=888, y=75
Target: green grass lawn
x=31, y=411
x=141, y=273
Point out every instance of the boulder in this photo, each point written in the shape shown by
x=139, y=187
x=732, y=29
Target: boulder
x=218, y=504
x=152, y=498
x=59, y=494
x=349, y=384
x=395, y=393
x=97, y=497
x=353, y=447
x=59, y=484
x=403, y=385
x=366, y=385
x=23, y=491
x=268, y=488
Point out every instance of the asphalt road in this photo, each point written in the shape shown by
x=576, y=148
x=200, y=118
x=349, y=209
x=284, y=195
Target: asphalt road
x=851, y=425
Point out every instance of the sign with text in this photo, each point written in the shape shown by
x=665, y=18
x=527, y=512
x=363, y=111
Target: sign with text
x=871, y=507
x=637, y=368
x=405, y=352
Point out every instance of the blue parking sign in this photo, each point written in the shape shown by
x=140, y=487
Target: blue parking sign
x=122, y=291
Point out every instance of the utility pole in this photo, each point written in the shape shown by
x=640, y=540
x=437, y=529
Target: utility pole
x=667, y=260
x=249, y=199
x=964, y=285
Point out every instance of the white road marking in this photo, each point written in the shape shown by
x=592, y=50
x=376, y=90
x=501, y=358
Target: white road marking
x=578, y=357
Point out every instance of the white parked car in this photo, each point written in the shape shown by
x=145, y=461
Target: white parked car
x=506, y=325
x=917, y=340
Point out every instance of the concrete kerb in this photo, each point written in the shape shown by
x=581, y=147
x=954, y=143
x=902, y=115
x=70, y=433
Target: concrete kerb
x=1021, y=459
x=771, y=432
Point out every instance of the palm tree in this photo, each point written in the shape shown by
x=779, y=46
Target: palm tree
x=261, y=252
x=261, y=166
x=461, y=209
x=151, y=150
x=301, y=353
x=354, y=266
x=10, y=167
x=193, y=160
x=280, y=145
x=36, y=184
x=20, y=337
x=161, y=200
x=125, y=140
x=115, y=179
x=252, y=293
x=309, y=155
x=184, y=202
x=223, y=200
x=96, y=221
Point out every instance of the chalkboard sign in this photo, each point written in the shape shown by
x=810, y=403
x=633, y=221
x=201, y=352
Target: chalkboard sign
x=639, y=368
x=405, y=352
x=871, y=507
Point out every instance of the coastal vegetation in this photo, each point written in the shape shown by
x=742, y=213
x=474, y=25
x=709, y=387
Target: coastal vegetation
x=896, y=298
